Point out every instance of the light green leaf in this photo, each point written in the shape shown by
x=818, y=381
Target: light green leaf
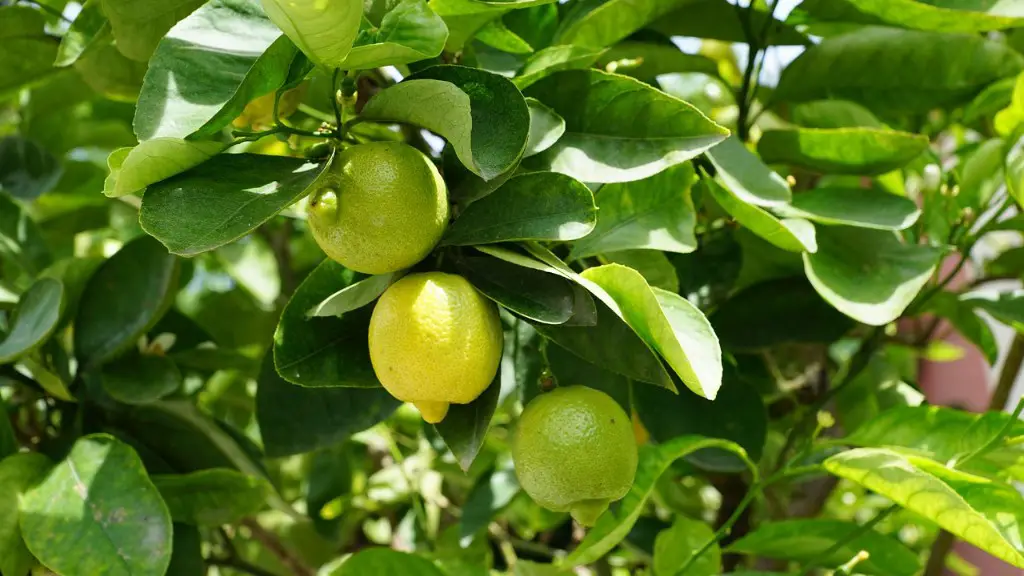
x=34, y=319
x=353, y=296
x=553, y=59
x=1014, y=169
x=858, y=207
x=984, y=513
x=324, y=31
x=138, y=25
x=841, y=150
x=805, y=540
x=668, y=323
x=409, y=32
x=386, y=562
x=133, y=169
x=981, y=174
x=533, y=206
x=611, y=21
x=546, y=127
x=868, y=275
x=497, y=35
x=89, y=27
x=648, y=60
x=674, y=547
x=140, y=379
x=18, y=474
x=791, y=234
x=224, y=199
x=481, y=114
x=97, y=512
x=614, y=525
x=746, y=176
x=939, y=15
x=920, y=70
x=619, y=129
x=653, y=265
x=466, y=17
x=28, y=53
x=655, y=213
x=111, y=73
x=212, y=497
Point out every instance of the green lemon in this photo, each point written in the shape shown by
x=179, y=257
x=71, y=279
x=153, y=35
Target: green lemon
x=435, y=341
x=382, y=207
x=574, y=451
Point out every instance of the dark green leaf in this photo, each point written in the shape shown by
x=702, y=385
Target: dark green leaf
x=841, y=150
x=325, y=32
x=611, y=21
x=224, y=199
x=981, y=174
x=139, y=25
x=648, y=60
x=18, y=474
x=187, y=557
x=386, y=562
x=409, y=32
x=8, y=443
x=89, y=27
x=746, y=176
x=858, y=207
x=27, y=170
x=619, y=129
x=489, y=496
x=834, y=114
x=144, y=278
x=212, y=497
x=294, y=419
x=571, y=370
x=324, y=352
x=97, y=512
x=536, y=295
x=465, y=427
x=553, y=59
x=720, y=20
x=971, y=326
x=140, y=378
x=28, y=53
x=34, y=320
x=20, y=237
x=533, y=206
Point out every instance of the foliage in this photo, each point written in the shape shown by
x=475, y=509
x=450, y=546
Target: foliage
x=739, y=262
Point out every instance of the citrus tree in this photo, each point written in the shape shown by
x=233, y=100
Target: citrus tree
x=467, y=287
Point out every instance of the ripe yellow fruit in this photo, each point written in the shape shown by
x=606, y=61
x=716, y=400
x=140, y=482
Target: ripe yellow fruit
x=382, y=207
x=435, y=341
x=259, y=113
x=574, y=451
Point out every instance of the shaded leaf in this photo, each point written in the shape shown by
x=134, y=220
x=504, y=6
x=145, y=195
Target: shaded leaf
x=674, y=547
x=465, y=427
x=133, y=169
x=648, y=60
x=719, y=20
x=936, y=15
x=536, y=295
x=862, y=208
x=963, y=318
x=546, y=127
x=89, y=27
x=386, y=562
x=553, y=59
x=323, y=31
x=28, y=53
x=611, y=21
x=489, y=496
x=138, y=26
x=841, y=150
x=791, y=234
x=187, y=557
x=409, y=32
x=834, y=114
x=35, y=319
x=20, y=237
x=353, y=296
x=140, y=379
x=18, y=474
x=746, y=176
x=27, y=170
x=212, y=497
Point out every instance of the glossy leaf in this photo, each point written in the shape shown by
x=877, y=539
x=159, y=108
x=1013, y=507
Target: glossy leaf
x=98, y=512
x=648, y=60
x=746, y=176
x=324, y=31
x=138, y=26
x=224, y=199
x=533, y=294
x=614, y=525
x=617, y=128
x=465, y=427
x=842, y=150
x=385, y=562
x=18, y=474
x=612, y=21
x=861, y=208
x=554, y=59
x=465, y=18
x=481, y=114
x=88, y=28
x=533, y=206
x=868, y=275
x=674, y=547
x=806, y=540
x=133, y=169
x=546, y=127
x=145, y=279
x=353, y=296
x=212, y=497
x=791, y=234
x=938, y=16
x=719, y=20
x=653, y=265
x=34, y=320
x=655, y=213
x=140, y=379
x=409, y=32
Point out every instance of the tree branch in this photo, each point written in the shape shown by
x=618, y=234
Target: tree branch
x=270, y=541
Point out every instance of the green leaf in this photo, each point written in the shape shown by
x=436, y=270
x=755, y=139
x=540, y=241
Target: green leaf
x=674, y=547
x=791, y=234
x=1006, y=307
x=553, y=59
x=97, y=512
x=527, y=568
x=738, y=414
x=653, y=265
x=497, y=35
x=619, y=129
x=533, y=206
x=648, y=60
x=971, y=326
x=465, y=427
x=614, y=525
x=20, y=237
x=611, y=21
x=984, y=513
x=90, y=27
x=782, y=311
x=224, y=199
x=138, y=25
x=805, y=540
x=465, y=18
x=200, y=65
x=187, y=557
x=936, y=15
x=992, y=99
x=868, y=151
x=546, y=127
x=8, y=443
x=1014, y=170
x=325, y=351
x=28, y=53
x=212, y=497
x=145, y=279
x=920, y=71
x=655, y=213
x=536, y=295
x=353, y=296
x=386, y=562
x=481, y=114
x=868, y=275
x=668, y=323
x=981, y=174
x=27, y=170
x=18, y=474
x=133, y=169
x=858, y=207
x=830, y=114
x=140, y=378
x=34, y=320
x=409, y=32
x=488, y=497
x=719, y=20
x=324, y=31
x=746, y=176
x=111, y=73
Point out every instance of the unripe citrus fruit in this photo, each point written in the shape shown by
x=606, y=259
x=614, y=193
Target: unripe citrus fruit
x=574, y=451
x=435, y=341
x=382, y=207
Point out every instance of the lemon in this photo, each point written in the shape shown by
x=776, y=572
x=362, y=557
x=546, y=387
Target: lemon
x=574, y=451
x=435, y=341
x=382, y=207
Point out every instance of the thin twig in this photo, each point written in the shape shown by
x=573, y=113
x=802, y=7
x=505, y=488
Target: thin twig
x=270, y=541
x=853, y=535
x=240, y=565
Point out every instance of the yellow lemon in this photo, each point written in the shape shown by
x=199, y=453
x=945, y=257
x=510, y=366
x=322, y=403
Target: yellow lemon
x=381, y=208
x=435, y=341
x=574, y=452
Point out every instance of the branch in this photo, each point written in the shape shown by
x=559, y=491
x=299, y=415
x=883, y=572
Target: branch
x=853, y=535
x=240, y=565
x=270, y=541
